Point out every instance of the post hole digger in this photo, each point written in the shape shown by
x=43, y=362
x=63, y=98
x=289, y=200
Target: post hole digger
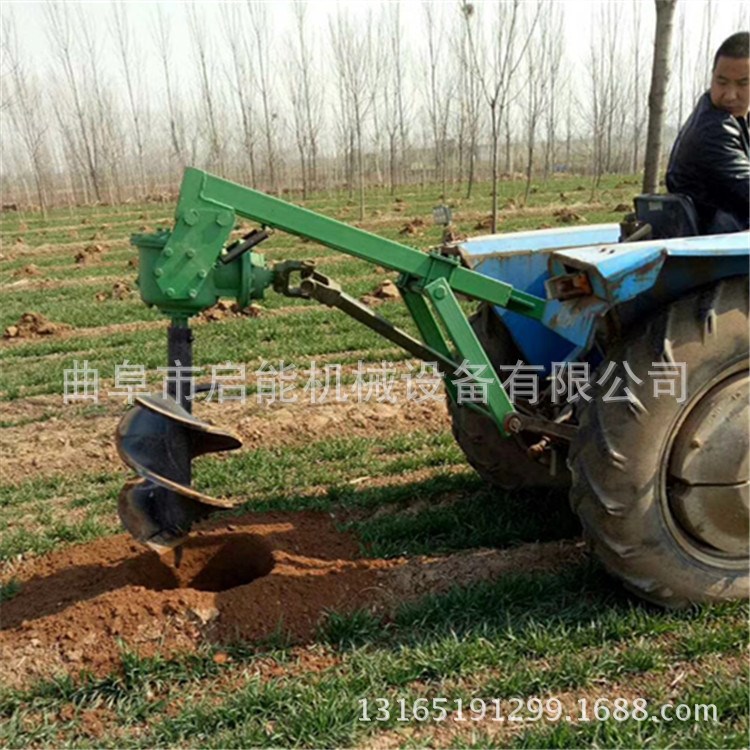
x=660, y=482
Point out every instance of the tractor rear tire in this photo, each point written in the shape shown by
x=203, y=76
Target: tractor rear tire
x=661, y=487
x=500, y=461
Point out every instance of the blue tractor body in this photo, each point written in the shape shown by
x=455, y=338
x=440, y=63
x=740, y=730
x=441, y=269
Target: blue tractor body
x=628, y=280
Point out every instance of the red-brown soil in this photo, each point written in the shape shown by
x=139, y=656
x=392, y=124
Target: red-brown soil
x=31, y=325
x=77, y=607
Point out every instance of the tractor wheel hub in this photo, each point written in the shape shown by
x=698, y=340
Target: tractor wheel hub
x=708, y=482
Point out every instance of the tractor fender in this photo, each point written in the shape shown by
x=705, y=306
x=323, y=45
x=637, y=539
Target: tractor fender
x=628, y=280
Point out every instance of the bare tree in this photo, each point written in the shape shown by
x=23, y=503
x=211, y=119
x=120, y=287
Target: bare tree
x=554, y=73
x=470, y=105
x=106, y=128
x=607, y=95
x=208, y=94
x=313, y=98
x=129, y=55
x=62, y=46
x=680, y=65
x=537, y=90
x=262, y=46
x=241, y=78
x=495, y=69
x=176, y=121
x=7, y=39
x=358, y=70
x=306, y=100
x=704, y=53
x=658, y=92
x=27, y=111
x=638, y=110
x=439, y=89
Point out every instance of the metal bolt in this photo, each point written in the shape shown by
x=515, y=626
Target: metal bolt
x=224, y=218
x=695, y=443
x=168, y=252
x=190, y=253
x=193, y=293
x=513, y=424
x=202, y=274
x=170, y=292
x=190, y=217
x=439, y=293
x=158, y=272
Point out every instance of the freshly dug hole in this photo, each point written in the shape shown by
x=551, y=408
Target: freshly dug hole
x=266, y=572
x=220, y=563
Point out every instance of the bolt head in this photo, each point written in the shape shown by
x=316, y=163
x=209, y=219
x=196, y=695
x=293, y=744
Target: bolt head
x=190, y=217
x=224, y=218
x=202, y=274
x=158, y=272
x=513, y=424
x=190, y=253
x=168, y=252
x=440, y=293
x=170, y=292
x=193, y=293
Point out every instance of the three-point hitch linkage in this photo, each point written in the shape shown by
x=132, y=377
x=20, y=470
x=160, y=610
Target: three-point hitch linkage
x=187, y=269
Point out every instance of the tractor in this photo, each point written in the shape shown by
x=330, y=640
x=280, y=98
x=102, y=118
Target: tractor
x=645, y=321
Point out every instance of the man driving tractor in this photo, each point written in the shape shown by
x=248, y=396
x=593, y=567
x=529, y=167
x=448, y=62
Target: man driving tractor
x=710, y=160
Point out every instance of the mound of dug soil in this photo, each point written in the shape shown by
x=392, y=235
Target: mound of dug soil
x=387, y=290
x=32, y=324
x=89, y=254
x=120, y=291
x=566, y=216
x=241, y=581
x=224, y=309
x=30, y=270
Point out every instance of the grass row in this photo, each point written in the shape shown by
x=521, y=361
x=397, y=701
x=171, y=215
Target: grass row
x=522, y=636
x=34, y=513
x=38, y=367
x=76, y=306
x=424, y=197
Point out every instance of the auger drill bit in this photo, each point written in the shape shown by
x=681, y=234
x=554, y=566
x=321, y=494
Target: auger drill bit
x=158, y=439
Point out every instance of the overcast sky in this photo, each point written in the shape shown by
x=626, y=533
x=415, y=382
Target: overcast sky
x=577, y=14
x=578, y=19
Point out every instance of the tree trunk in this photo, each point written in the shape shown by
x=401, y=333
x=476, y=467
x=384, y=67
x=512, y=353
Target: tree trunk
x=657, y=94
x=495, y=149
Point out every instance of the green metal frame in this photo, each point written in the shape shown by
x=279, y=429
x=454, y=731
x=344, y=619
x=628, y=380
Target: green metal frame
x=181, y=272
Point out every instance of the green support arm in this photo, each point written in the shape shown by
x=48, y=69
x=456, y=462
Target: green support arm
x=202, y=193
x=184, y=271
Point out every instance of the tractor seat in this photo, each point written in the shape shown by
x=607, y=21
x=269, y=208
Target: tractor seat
x=670, y=215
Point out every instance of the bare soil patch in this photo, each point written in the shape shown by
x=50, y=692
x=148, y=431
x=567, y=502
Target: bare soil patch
x=89, y=254
x=77, y=442
x=120, y=291
x=383, y=292
x=224, y=309
x=239, y=581
x=33, y=325
x=31, y=270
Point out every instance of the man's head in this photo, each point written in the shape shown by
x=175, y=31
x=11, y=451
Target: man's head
x=730, y=80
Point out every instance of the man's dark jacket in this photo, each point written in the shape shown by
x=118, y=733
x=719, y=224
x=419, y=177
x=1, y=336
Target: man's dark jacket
x=710, y=162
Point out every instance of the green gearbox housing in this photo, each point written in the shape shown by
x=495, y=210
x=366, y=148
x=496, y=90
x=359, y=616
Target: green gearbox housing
x=182, y=277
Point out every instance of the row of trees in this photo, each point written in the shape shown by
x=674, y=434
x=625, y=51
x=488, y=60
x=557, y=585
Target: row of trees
x=489, y=88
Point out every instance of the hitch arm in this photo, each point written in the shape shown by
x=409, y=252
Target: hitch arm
x=201, y=192
x=187, y=270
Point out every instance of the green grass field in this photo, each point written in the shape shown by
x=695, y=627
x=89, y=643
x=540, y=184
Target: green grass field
x=398, y=483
